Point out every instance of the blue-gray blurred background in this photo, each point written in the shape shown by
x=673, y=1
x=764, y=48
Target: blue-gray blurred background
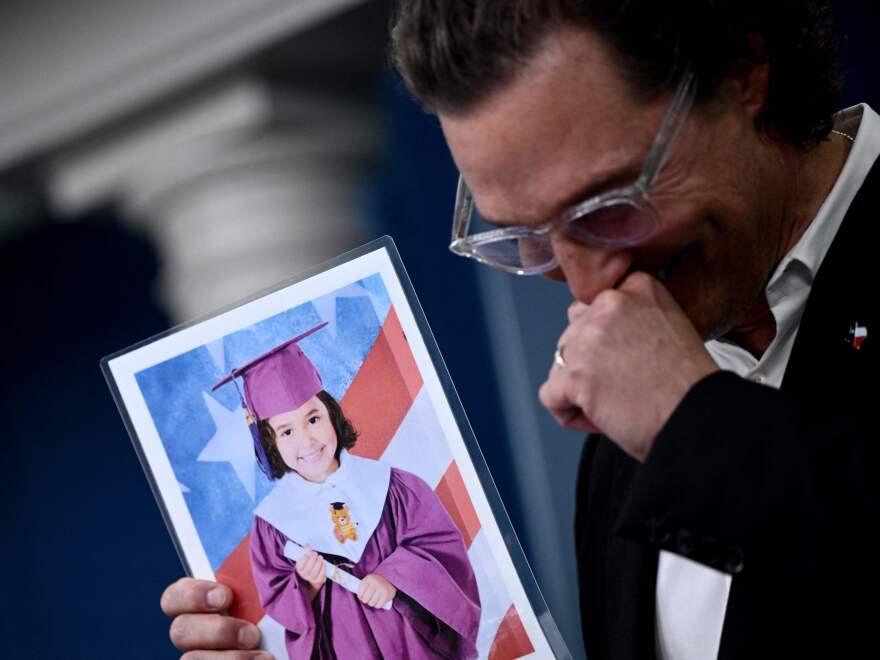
x=160, y=160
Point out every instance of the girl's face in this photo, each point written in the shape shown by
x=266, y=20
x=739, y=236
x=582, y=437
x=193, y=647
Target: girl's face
x=307, y=440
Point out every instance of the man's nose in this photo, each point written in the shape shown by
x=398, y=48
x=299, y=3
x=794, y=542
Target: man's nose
x=588, y=269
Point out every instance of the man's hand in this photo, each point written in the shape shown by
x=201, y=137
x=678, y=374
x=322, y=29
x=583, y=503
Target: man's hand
x=630, y=358
x=199, y=628
x=310, y=567
x=376, y=591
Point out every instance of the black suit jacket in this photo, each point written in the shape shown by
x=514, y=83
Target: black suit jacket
x=777, y=487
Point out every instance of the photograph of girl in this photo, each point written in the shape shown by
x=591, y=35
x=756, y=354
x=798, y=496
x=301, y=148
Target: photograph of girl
x=333, y=513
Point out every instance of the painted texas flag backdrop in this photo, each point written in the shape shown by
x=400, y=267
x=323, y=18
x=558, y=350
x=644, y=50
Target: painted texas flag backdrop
x=366, y=364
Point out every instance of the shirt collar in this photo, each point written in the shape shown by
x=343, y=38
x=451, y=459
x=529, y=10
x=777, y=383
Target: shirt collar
x=863, y=124
x=789, y=286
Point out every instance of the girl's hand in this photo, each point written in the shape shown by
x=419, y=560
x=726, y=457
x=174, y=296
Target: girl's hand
x=376, y=591
x=310, y=568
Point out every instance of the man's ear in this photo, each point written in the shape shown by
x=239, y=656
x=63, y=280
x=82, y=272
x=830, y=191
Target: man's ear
x=752, y=78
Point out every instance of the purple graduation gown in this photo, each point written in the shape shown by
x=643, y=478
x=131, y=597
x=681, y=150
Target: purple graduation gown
x=418, y=549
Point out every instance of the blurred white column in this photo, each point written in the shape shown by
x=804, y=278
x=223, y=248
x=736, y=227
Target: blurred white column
x=241, y=188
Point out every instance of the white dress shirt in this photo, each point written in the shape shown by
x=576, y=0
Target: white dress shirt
x=691, y=598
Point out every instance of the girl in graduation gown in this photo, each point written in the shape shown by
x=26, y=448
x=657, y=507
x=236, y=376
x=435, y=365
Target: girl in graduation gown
x=418, y=594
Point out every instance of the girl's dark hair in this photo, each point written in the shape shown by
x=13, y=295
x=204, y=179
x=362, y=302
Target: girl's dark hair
x=453, y=54
x=346, y=436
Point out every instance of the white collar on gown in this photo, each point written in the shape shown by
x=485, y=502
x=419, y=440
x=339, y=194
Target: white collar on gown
x=301, y=509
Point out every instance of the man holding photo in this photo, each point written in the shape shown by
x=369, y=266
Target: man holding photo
x=679, y=165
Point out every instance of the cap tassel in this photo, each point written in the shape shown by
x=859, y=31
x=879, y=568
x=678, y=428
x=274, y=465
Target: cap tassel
x=259, y=452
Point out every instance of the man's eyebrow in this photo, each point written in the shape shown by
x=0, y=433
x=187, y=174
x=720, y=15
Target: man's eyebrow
x=608, y=181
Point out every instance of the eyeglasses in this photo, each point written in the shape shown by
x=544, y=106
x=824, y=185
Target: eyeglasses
x=617, y=218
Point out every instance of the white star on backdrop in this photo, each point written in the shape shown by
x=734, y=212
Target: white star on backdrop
x=326, y=305
x=231, y=443
x=218, y=354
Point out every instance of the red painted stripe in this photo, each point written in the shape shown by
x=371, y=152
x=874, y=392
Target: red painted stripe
x=453, y=493
x=400, y=348
x=383, y=390
x=511, y=640
x=236, y=573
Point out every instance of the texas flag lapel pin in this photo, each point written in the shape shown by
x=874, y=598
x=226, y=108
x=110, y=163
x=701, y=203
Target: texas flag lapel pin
x=857, y=336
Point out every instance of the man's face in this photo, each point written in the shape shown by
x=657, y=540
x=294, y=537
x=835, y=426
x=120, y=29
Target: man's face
x=568, y=126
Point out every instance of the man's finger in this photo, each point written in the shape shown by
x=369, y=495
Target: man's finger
x=213, y=631
x=638, y=281
x=565, y=411
x=573, y=419
x=644, y=285
x=192, y=596
x=575, y=309
x=227, y=655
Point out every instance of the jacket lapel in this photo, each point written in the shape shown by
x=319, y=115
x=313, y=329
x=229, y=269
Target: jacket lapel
x=824, y=364
x=617, y=576
x=825, y=372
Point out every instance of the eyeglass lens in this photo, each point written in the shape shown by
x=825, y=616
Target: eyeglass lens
x=618, y=223
x=518, y=252
x=521, y=252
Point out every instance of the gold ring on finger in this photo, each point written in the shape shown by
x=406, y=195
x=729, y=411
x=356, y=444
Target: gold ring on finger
x=558, y=357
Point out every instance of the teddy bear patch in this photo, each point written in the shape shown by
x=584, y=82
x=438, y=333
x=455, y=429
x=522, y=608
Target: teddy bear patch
x=344, y=528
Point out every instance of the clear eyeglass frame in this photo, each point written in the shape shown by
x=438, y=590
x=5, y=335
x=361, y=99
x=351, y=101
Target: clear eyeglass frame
x=574, y=221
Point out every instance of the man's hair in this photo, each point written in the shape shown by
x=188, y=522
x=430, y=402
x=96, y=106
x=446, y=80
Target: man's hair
x=453, y=54
x=346, y=436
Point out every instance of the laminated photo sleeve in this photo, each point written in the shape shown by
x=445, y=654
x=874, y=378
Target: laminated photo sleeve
x=318, y=418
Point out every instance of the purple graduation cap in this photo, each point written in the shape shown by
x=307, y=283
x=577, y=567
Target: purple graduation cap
x=281, y=379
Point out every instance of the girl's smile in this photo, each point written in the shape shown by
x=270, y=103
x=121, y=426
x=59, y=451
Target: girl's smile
x=307, y=440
